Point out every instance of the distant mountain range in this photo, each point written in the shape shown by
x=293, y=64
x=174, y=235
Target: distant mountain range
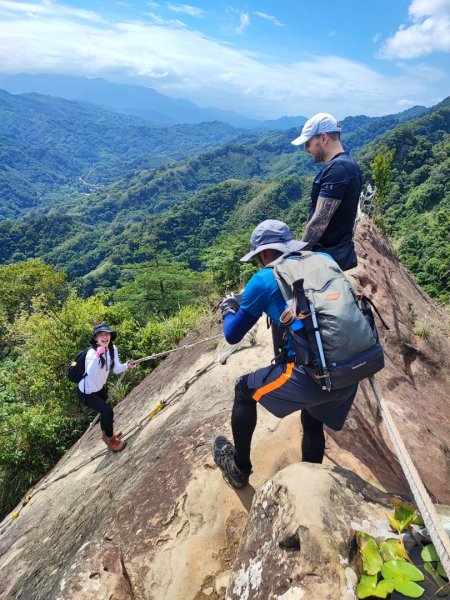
x=52, y=147
x=177, y=207
x=69, y=169
x=134, y=100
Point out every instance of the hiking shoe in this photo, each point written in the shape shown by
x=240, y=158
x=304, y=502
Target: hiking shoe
x=116, y=434
x=223, y=453
x=115, y=445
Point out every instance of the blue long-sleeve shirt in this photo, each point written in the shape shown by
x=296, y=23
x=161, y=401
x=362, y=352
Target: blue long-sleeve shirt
x=236, y=326
x=261, y=295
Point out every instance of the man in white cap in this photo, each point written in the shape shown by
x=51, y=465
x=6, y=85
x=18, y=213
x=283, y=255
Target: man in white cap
x=335, y=191
x=282, y=387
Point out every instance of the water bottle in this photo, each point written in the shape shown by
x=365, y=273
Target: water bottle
x=288, y=318
x=297, y=324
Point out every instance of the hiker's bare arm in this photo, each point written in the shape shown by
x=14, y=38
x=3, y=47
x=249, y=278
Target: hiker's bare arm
x=325, y=209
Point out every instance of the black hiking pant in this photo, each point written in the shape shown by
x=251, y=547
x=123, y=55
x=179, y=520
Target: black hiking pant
x=344, y=254
x=243, y=424
x=98, y=402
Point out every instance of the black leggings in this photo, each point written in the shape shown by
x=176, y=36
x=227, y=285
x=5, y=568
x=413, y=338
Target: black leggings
x=98, y=402
x=313, y=441
x=243, y=423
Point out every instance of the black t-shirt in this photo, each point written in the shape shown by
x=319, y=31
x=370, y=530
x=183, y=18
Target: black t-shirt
x=340, y=179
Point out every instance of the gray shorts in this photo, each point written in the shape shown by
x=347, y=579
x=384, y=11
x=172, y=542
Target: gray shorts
x=285, y=388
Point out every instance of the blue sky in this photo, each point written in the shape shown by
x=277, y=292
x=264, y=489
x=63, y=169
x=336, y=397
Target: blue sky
x=260, y=58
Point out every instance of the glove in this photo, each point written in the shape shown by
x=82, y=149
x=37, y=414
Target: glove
x=100, y=350
x=229, y=305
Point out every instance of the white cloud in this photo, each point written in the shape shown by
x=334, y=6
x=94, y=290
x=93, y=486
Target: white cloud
x=267, y=17
x=22, y=7
x=430, y=31
x=424, y=8
x=422, y=71
x=405, y=103
x=48, y=9
x=187, y=9
x=184, y=63
x=244, y=22
x=162, y=21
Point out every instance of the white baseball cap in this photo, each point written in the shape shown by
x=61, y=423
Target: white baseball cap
x=320, y=123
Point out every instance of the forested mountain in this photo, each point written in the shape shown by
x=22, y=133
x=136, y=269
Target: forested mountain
x=155, y=107
x=100, y=252
x=414, y=209
x=135, y=100
x=53, y=149
x=359, y=131
x=182, y=208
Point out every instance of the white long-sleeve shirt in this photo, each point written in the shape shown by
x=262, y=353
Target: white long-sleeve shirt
x=96, y=374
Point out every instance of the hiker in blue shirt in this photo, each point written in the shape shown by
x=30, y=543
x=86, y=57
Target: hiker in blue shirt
x=335, y=191
x=282, y=387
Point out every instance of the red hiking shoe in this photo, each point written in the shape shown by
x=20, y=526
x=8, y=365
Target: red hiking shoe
x=116, y=434
x=115, y=445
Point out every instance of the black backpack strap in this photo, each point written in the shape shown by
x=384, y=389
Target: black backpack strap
x=304, y=313
x=369, y=301
x=85, y=373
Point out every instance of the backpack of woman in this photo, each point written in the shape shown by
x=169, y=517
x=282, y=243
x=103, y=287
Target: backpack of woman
x=101, y=358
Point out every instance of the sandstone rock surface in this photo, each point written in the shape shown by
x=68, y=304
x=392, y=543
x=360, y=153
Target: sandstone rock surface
x=299, y=541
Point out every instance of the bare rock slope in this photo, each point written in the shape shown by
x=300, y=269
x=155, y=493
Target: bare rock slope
x=158, y=522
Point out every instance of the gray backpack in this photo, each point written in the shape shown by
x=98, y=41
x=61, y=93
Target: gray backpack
x=338, y=345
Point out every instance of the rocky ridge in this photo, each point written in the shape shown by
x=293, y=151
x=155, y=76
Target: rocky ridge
x=158, y=521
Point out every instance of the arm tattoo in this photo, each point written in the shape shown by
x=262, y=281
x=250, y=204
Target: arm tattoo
x=325, y=209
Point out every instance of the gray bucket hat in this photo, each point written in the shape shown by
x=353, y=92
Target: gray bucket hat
x=103, y=327
x=272, y=234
